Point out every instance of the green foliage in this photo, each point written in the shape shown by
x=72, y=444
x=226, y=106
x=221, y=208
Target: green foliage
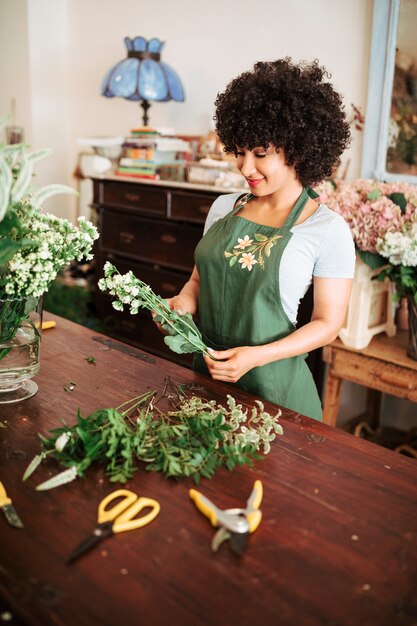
x=183, y=334
x=400, y=200
x=372, y=259
x=404, y=277
x=194, y=440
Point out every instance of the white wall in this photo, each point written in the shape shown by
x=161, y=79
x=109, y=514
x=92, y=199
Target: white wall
x=14, y=66
x=58, y=51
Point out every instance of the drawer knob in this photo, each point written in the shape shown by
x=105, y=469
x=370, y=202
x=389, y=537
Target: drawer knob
x=132, y=197
x=126, y=237
x=203, y=209
x=168, y=238
x=395, y=379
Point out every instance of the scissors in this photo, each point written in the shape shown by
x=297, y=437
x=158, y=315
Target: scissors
x=8, y=509
x=233, y=524
x=119, y=518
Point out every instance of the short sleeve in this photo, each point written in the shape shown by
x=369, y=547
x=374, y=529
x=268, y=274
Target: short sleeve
x=336, y=257
x=220, y=207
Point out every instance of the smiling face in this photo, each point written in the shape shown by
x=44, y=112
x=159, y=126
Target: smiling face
x=265, y=170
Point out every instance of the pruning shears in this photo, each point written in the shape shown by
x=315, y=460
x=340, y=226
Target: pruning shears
x=234, y=525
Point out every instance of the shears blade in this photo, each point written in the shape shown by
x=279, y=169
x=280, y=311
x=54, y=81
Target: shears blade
x=101, y=532
x=220, y=537
x=238, y=542
x=11, y=516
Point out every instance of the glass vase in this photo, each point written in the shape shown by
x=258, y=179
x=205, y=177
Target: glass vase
x=20, y=338
x=412, y=328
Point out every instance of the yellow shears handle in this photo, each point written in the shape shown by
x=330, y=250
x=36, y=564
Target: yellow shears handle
x=4, y=499
x=254, y=515
x=204, y=505
x=123, y=514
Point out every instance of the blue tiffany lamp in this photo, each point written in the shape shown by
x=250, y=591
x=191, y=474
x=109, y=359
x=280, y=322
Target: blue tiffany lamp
x=143, y=76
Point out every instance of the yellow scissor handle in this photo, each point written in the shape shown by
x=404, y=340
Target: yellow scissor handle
x=204, y=505
x=254, y=515
x=255, y=498
x=254, y=519
x=4, y=499
x=128, y=520
x=123, y=514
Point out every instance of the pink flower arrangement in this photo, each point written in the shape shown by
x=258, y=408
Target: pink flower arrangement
x=371, y=208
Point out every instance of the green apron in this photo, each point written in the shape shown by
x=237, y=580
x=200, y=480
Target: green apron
x=240, y=304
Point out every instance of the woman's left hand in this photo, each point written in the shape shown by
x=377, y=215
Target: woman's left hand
x=231, y=365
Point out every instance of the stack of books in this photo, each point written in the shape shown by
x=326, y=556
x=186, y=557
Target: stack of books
x=145, y=151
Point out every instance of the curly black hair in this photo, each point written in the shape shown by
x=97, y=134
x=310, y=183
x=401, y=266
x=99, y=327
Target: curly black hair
x=290, y=106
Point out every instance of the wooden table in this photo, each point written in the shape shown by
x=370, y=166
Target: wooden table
x=337, y=545
x=381, y=367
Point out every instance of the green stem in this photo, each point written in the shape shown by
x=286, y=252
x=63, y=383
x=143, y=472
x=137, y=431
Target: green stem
x=137, y=400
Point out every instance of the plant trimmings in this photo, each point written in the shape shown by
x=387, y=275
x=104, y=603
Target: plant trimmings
x=193, y=440
x=183, y=334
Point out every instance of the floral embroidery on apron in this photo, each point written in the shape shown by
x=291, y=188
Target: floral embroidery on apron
x=247, y=250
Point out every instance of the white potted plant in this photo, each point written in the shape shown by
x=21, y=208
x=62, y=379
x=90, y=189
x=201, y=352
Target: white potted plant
x=34, y=246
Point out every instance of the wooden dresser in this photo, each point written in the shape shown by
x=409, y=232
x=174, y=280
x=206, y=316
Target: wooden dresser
x=151, y=228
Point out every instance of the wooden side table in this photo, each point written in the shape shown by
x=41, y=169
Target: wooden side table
x=381, y=367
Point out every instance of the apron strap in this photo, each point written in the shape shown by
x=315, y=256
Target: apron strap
x=296, y=211
x=306, y=193
x=241, y=201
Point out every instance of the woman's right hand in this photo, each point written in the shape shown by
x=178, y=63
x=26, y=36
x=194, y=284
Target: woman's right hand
x=181, y=304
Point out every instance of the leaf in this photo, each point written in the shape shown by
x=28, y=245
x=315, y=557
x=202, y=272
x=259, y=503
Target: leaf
x=60, y=479
x=268, y=248
x=6, y=180
x=374, y=194
x=33, y=465
x=8, y=248
x=260, y=237
x=21, y=185
x=227, y=254
x=399, y=199
x=4, y=120
x=42, y=194
x=39, y=154
x=91, y=359
x=177, y=344
x=233, y=261
x=373, y=260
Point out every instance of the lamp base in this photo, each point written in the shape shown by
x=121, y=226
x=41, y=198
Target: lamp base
x=145, y=106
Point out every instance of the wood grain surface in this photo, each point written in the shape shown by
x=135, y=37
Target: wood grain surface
x=337, y=545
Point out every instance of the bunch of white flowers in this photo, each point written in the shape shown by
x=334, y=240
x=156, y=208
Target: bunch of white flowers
x=33, y=246
x=128, y=290
x=56, y=243
x=400, y=248
x=183, y=335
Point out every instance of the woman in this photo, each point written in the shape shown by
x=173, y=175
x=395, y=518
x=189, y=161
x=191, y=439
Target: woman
x=261, y=250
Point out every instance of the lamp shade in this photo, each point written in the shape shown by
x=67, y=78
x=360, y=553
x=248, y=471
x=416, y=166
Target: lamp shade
x=142, y=75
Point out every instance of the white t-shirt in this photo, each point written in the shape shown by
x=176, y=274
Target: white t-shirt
x=321, y=246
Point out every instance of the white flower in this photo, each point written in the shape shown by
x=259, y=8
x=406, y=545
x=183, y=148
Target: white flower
x=400, y=248
x=247, y=261
x=62, y=441
x=243, y=243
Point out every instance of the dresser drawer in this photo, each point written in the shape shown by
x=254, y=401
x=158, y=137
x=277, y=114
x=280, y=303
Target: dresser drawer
x=137, y=330
x=163, y=282
x=135, y=197
x=155, y=241
x=189, y=207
